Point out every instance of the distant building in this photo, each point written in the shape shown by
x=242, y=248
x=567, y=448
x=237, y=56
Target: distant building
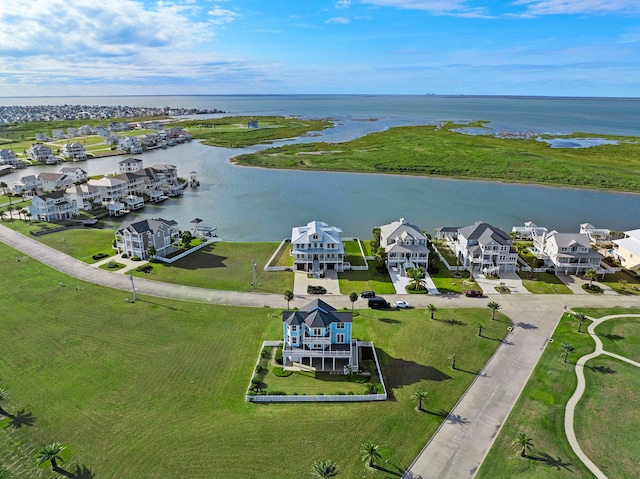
x=405, y=245
x=56, y=205
x=40, y=152
x=317, y=247
x=527, y=231
x=8, y=157
x=487, y=248
x=74, y=151
x=627, y=250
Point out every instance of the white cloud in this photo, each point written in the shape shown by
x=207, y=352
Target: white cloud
x=430, y=5
x=342, y=20
x=343, y=3
x=556, y=7
x=222, y=16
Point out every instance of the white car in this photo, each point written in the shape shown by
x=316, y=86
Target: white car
x=402, y=304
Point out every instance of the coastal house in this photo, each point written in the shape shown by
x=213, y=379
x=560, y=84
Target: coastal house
x=166, y=173
x=42, y=137
x=149, y=139
x=527, y=231
x=130, y=144
x=85, y=130
x=110, y=188
x=8, y=157
x=405, y=245
x=133, y=202
x=597, y=236
x=56, y=205
x=627, y=250
x=71, y=132
x=567, y=253
x=318, y=336
x=447, y=233
x=55, y=181
x=86, y=196
x=317, y=247
x=77, y=174
x=74, y=151
x=134, y=238
x=57, y=133
x=28, y=186
x=485, y=247
x=103, y=131
x=40, y=152
x=135, y=182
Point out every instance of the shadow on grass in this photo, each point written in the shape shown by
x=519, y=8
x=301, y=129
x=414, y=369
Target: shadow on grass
x=387, y=471
x=602, y=369
x=550, y=461
x=614, y=337
x=399, y=372
x=389, y=321
x=157, y=304
x=21, y=419
x=452, y=322
x=201, y=259
x=79, y=472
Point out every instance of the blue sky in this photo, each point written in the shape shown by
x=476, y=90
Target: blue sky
x=520, y=47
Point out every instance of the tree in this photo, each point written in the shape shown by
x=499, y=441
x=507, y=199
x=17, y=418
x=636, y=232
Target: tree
x=369, y=451
x=4, y=187
x=523, y=444
x=375, y=243
x=28, y=215
x=151, y=250
x=381, y=257
x=422, y=397
x=566, y=349
x=591, y=275
x=493, y=306
x=288, y=296
x=480, y=326
x=581, y=318
x=3, y=396
x=2, y=213
x=11, y=209
x=51, y=453
x=353, y=297
x=186, y=237
x=432, y=309
x=325, y=468
x=416, y=277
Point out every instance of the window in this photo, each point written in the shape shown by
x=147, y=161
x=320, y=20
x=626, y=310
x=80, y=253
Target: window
x=294, y=328
x=294, y=340
x=339, y=325
x=317, y=332
x=340, y=338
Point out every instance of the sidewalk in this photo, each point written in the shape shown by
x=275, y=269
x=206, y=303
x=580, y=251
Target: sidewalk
x=128, y=262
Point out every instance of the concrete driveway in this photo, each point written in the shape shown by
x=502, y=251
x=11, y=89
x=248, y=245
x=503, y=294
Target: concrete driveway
x=510, y=279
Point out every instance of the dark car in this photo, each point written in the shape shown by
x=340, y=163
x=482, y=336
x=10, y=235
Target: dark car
x=472, y=293
x=367, y=294
x=378, y=303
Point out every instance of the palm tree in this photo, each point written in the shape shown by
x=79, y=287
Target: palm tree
x=422, y=397
x=580, y=317
x=566, y=349
x=370, y=453
x=3, y=396
x=416, y=276
x=325, y=468
x=432, y=309
x=353, y=297
x=288, y=296
x=186, y=237
x=28, y=215
x=381, y=257
x=480, y=326
x=4, y=187
x=591, y=275
x=51, y=453
x=493, y=306
x=151, y=250
x=522, y=444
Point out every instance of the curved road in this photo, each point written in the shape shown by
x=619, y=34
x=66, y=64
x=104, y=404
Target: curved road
x=465, y=437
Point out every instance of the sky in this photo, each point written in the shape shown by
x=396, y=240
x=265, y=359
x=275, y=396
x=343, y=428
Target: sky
x=186, y=47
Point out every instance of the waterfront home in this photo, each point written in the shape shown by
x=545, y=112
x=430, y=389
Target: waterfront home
x=527, y=231
x=71, y=132
x=57, y=133
x=486, y=248
x=42, y=137
x=149, y=139
x=28, y=186
x=85, y=130
x=40, y=152
x=447, y=233
x=405, y=245
x=597, y=236
x=133, y=202
x=130, y=165
x=318, y=336
x=86, y=196
x=130, y=144
x=77, y=174
x=8, y=157
x=317, y=247
x=115, y=207
x=166, y=173
x=627, y=250
x=134, y=238
x=110, y=188
x=74, y=151
x=568, y=253
x=56, y=205
x=55, y=181
x=103, y=132
x=135, y=182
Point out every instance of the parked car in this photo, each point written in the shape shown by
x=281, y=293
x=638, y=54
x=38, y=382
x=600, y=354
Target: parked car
x=378, y=303
x=367, y=294
x=402, y=304
x=473, y=293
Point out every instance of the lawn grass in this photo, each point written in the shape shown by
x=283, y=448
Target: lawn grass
x=149, y=389
x=444, y=152
x=352, y=252
x=539, y=413
x=226, y=266
x=621, y=336
x=543, y=283
x=447, y=282
x=359, y=281
x=622, y=282
x=81, y=243
x=284, y=258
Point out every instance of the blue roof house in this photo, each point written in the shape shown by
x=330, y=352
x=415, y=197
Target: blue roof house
x=318, y=337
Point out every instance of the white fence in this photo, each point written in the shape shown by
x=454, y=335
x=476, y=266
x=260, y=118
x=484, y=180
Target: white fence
x=268, y=267
x=186, y=253
x=444, y=261
x=328, y=397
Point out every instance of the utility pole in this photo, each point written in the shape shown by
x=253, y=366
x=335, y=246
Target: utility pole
x=254, y=275
x=133, y=286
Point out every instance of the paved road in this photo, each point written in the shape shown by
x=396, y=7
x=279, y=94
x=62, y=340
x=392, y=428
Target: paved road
x=460, y=445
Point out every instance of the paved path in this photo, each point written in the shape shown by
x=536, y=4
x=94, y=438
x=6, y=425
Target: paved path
x=461, y=443
x=577, y=395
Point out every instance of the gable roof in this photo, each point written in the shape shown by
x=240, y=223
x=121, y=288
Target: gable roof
x=401, y=229
x=484, y=233
x=143, y=225
x=301, y=234
x=317, y=314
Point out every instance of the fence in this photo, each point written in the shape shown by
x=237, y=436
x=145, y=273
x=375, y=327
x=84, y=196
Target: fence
x=444, y=261
x=268, y=266
x=185, y=253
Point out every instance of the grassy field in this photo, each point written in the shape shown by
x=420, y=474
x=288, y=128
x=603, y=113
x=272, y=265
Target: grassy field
x=621, y=336
x=540, y=411
x=428, y=150
x=447, y=282
x=155, y=388
x=353, y=254
x=359, y=281
x=227, y=266
x=622, y=282
x=543, y=283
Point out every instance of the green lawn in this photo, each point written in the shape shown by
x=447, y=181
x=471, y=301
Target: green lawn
x=539, y=413
x=446, y=281
x=543, y=283
x=227, y=266
x=622, y=282
x=81, y=243
x=359, y=281
x=621, y=336
x=442, y=151
x=352, y=253
x=155, y=388
x=284, y=258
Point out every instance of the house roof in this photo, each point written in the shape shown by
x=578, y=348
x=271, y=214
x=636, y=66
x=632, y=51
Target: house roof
x=630, y=244
x=485, y=233
x=72, y=169
x=300, y=234
x=401, y=230
x=565, y=240
x=144, y=225
x=54, y=195
x=130, y=160
x=317, y=314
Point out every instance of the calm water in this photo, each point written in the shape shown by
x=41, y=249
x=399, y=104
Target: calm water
x=252, y=204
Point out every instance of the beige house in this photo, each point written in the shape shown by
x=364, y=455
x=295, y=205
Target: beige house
x=405, y=245
x=627, y=250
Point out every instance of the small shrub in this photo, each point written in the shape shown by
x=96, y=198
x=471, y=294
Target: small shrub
x=316, y=289
x=279, y=355
x=113, y=265
x=125, y=255
x=594, y=288
x=147, y=268
x=100, y=256
x=258, y=369
x=135, y=258
x=281, y=372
